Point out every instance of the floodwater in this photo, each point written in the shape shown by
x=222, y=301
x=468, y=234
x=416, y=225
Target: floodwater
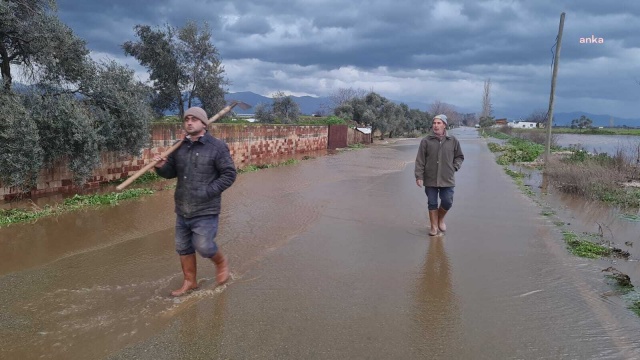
x=616, y=227
x=609, y=144
x=330, y=259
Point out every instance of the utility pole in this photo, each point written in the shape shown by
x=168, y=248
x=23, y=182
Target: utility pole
x=553, y=90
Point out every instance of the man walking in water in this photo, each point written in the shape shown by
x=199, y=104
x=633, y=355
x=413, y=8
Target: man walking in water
x=204, y=168
x=439, y=157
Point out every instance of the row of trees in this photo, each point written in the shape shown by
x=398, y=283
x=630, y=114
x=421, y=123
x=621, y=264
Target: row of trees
x=383, y=115
x=366, y=109
x=70, y=107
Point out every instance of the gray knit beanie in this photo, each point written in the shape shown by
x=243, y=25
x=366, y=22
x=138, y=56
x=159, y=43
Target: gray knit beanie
x=442, y=117
x=198, y=113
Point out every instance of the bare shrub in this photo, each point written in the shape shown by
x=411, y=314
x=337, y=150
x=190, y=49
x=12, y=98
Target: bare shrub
x=597, y=176
x=583, y=178
x=506, y=130
x=627, y=160
x=620, y=159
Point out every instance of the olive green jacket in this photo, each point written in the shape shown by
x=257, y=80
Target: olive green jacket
x=437, y=161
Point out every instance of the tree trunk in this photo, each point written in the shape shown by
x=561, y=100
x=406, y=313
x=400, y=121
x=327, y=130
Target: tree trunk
x=5, y=67
x=180, y=105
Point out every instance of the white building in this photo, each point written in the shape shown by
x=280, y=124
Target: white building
x=523, y=125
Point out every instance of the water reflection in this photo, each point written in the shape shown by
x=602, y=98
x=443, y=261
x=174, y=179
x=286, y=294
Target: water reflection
x=436, y=313
x=201, y=329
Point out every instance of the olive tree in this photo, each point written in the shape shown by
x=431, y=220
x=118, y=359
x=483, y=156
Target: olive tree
x=382, y=114
x=109, y=112
x=375, y=105
x=183, y=65
x=21, y=157
x=70, y=106
x=66, y=130
x=264, y=113
x=119, y=105
x=33, y=39
x=285, y=108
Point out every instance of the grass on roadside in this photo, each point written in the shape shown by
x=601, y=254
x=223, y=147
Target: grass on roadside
x=516, y=149
x=495, y=147
x=581, y=246
x=251, y=168
x=518, y=178
x=635, y=307
x=630, y=217
x=495, y=134
x=519, y=150
x=513, y=174
x=12, y=216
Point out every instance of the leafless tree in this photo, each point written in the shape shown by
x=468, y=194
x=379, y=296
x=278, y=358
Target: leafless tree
x=469, y=119
x=538, y=116
x=487, y=108
x=439, y=107
x=344, y=95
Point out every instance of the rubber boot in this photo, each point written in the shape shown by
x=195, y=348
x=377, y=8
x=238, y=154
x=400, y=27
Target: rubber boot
x=433, y=219
x=441, y=225
x=188, y=263
x=222, y=268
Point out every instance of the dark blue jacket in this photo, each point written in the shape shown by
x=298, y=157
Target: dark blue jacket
x=204, y=169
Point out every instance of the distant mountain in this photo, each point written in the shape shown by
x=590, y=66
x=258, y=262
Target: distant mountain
x=248, y=97
x=308, y=104
x=564, y=119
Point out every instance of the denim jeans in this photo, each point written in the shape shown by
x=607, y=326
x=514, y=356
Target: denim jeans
x=446, y=197
x=196, y=234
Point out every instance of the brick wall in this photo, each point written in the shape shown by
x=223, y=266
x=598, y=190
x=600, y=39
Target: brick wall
x=248, y=144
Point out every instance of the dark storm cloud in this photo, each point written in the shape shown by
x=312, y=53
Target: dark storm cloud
x=250, y=25
x=456, y=41
x=394, y=34
x=105, y=25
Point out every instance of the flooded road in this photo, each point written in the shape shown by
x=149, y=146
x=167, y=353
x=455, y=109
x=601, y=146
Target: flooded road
x=330, y=258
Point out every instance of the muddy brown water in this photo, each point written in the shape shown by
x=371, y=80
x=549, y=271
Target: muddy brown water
x=330, y=259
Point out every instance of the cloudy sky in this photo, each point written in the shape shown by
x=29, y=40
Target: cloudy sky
x=406, y=50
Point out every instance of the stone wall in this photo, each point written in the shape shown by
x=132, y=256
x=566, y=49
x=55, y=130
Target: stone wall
x=248, y=144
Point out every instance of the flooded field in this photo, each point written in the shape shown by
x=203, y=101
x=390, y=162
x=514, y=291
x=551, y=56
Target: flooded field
x=609, y=144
